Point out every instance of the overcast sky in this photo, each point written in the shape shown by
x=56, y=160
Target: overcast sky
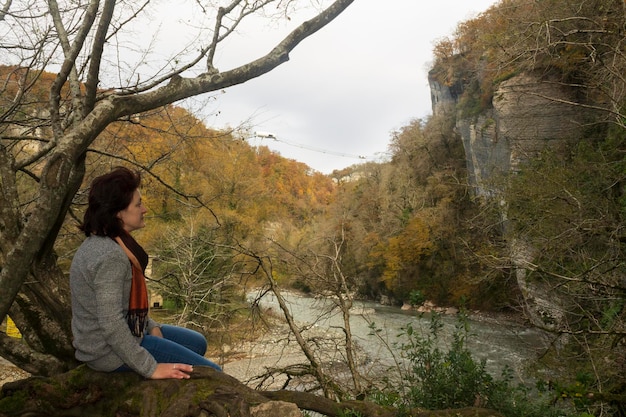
x=347, y=87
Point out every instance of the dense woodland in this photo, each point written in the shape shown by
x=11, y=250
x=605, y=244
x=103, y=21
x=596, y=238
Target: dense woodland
x=404, y=231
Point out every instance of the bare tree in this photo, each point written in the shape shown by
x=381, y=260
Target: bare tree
x=192, y=269
x=318, y=265
x=44, y=143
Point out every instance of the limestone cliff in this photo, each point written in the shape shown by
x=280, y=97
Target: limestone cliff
x=528, y=114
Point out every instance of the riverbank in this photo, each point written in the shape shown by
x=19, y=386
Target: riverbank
x=273, y=348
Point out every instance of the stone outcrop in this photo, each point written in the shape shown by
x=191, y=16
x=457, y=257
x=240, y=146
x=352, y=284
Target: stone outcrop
x=275, y=408
x=529, y=114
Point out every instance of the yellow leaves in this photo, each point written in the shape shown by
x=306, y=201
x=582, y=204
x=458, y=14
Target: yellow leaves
x=403, y=251
x=243, y=186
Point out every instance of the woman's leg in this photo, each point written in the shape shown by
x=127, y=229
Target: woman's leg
x=188, y=338
x=167, y=351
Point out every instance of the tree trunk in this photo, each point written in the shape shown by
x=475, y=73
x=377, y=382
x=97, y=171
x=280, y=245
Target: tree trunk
x=83, y=392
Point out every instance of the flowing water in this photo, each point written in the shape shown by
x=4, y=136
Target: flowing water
x=499, y=342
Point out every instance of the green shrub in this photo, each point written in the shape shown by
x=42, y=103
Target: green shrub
x=440, y=378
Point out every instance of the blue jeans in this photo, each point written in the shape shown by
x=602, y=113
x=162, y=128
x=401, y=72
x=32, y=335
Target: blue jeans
x=178, y=345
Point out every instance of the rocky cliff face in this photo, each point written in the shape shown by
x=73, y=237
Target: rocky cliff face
x=528, y=115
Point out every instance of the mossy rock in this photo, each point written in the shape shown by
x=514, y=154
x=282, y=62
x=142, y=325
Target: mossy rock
x=85, y=392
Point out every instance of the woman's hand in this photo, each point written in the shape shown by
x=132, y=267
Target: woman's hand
x=156, y=331
x=172, y=371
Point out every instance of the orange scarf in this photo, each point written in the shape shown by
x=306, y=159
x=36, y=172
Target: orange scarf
x=138, y=302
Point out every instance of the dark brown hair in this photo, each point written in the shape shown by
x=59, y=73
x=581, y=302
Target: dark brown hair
x=109, y=194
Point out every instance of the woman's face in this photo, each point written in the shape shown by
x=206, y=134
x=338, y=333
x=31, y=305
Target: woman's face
x=132, y=216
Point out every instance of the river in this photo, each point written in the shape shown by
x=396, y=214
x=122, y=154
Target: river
x=499, y=342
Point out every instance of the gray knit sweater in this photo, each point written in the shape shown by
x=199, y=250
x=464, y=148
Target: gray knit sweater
x=100, y=279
